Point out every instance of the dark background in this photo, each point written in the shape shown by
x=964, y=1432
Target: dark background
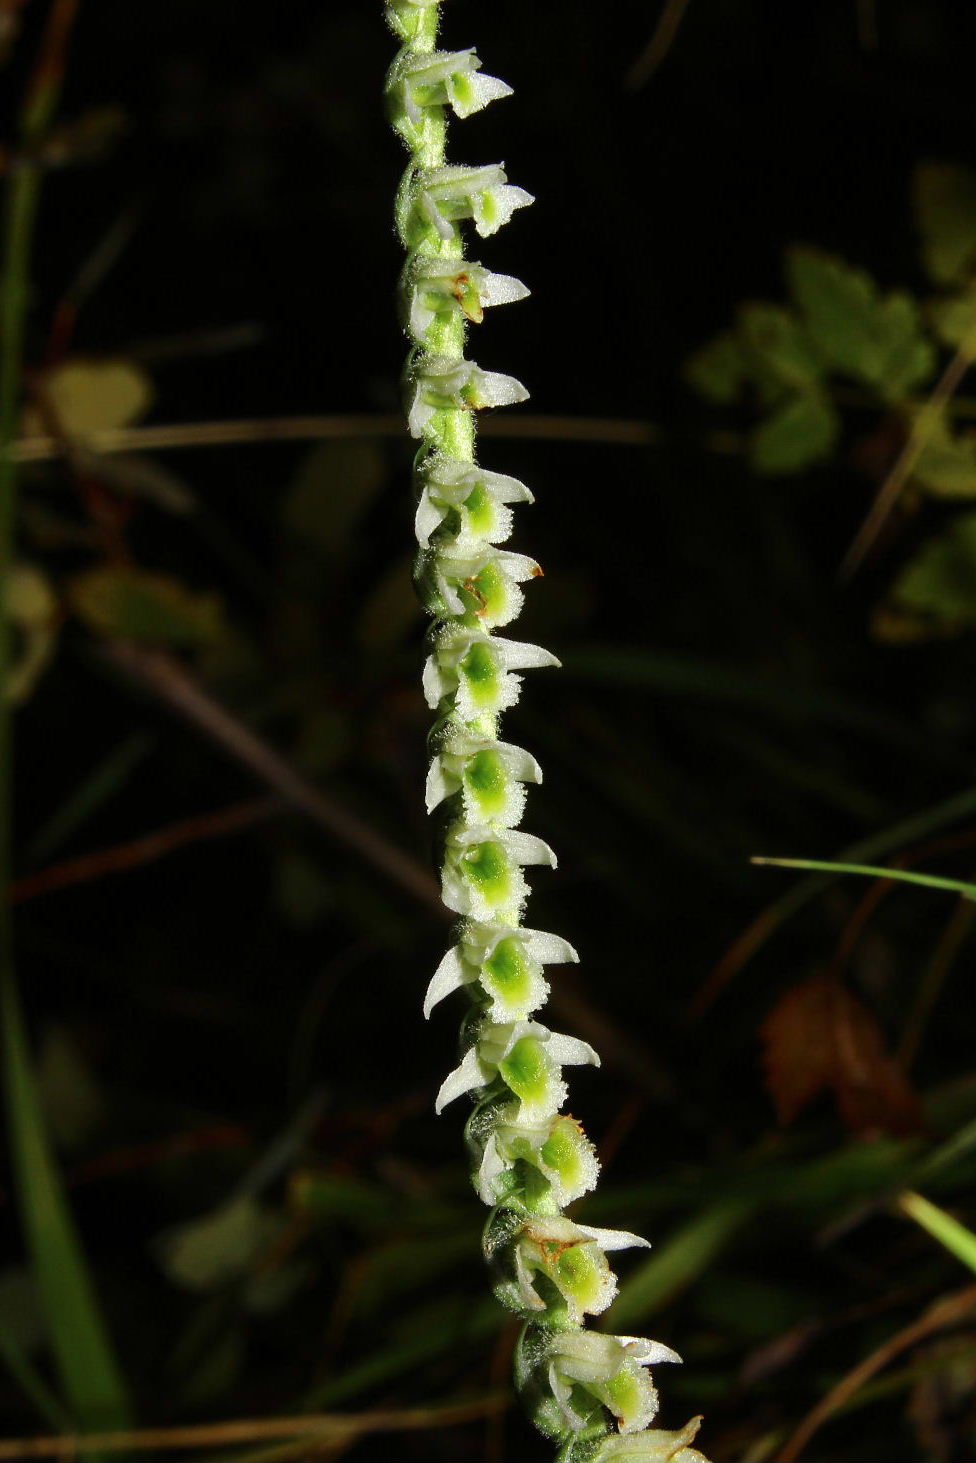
x=714, y=705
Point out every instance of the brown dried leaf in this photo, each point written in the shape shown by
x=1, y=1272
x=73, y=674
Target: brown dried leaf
x=820, y=1037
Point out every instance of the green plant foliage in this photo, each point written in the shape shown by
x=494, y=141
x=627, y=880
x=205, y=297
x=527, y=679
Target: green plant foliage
x=89, y=1372
x=946, y=464
x=857, y=331
x=956, y=1237
x=719, y=371
x=141, y=604
x=944, y=197
x=936, y=592
x=837, y=324
x=802, y=431
x=953, y=318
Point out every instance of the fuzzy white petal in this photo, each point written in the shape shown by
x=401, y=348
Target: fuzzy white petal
x=465, y=1077
x=437, y=788
x=501, y=289
x=492, y=1167
x=483, y=89
x=616, y=1239
x=519, y=655
x=569, y=1051
x=528, y=849
x=494, y=389
x=494, y=207
x=549, y=949
x=449, y=976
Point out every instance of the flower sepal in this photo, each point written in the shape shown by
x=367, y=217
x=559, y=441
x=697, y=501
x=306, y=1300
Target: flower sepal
x=433, y=200
x=465, y=501
x=448, y=383
x=507, y=961
x=555, y=1268
x=527, y=1056
x=453, y=583
x=556, y=1151
x=654, y=1446
x=433, y=286
x=473, y=671
x=418, y=82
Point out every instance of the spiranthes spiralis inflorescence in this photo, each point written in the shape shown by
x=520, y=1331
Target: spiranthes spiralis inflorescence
x=589, y=1391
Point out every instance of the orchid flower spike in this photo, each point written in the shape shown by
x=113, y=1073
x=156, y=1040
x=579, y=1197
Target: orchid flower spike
x=589, y=1391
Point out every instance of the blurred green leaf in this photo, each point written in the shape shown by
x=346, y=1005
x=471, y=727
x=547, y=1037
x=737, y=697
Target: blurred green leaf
x=937, y=588
x=92, y=396
x=141, y=604
x=678, y=1260
x=77, y=1333
x=34, y=610
x=946, y=465
x=802, y=431
x=219, y=1247
x=777, y=350
x=335, y=486
x=858, y=332
x=71, y=1099
x=953, y=318
x=944, y=196
x=956, y=1238
x=719, y=370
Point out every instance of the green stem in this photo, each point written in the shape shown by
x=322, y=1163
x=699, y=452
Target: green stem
x=87, y=1366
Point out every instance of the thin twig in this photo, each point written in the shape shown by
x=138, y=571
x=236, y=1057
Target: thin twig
x=173, y=685
x=907, y=460
x=314, y=1426
x=658, y=46
x=944, y=1312
x=605, y=431
x=123, y=856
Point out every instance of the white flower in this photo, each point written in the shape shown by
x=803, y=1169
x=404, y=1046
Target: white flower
x=572, y=1257
x=527, y=1056
x=476, y=669
x=557, y=1147
x=436, y=285
x=438, y=78
x=488, y=774
x=484, y=582
x=611, y=1369
x=478, y=497
x=507, y=960
x=482, y=872
x=447, y=383
x=445, y=195
x=654, y=1446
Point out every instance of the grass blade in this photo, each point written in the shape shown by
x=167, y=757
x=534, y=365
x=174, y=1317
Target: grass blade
x=90, y=1376
x=956, y=1238
x=32, y=1383
x=873, y=871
